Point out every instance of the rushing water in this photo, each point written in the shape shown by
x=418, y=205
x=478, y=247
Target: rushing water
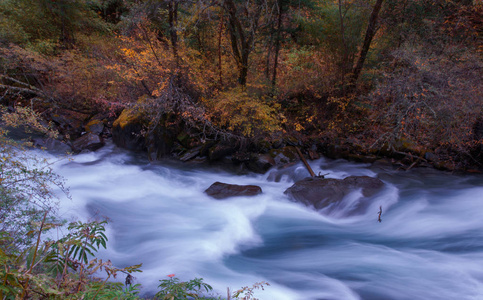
x=429, y=244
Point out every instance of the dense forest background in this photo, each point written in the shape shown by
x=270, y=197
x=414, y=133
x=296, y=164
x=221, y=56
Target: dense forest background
x=370, y=77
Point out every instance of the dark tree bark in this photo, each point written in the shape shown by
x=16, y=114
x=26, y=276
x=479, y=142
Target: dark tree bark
x=277, y=42
x=219, y=50
x=345, y=54
x=371, y=31
x=241, y=37
x=173, y=21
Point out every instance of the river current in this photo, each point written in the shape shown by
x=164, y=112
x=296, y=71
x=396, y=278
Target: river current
x=429, y=244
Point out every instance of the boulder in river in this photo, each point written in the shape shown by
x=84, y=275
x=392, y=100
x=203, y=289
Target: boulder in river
x=284, y=155
x=260, y=163
x=95, y=126
x=69, y=122
x=53, y=145
x=329, y=193
x=88, y=141
x=126, y=130
x=221, y=150
x=219, y=190
x=190, y=154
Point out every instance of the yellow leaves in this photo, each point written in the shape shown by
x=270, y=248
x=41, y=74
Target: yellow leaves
x=128, y=52
x=24, y=116
x=299, y=127
x=239, y=111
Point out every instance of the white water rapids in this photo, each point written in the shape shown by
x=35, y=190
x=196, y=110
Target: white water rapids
x=429, y=244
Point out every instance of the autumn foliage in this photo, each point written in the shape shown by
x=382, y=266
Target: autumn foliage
x=260, y=69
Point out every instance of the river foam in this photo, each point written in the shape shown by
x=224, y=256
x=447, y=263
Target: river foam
x=429, y=244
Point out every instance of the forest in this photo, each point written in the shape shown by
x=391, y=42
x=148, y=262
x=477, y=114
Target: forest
x=388, y=78
x=352, y=79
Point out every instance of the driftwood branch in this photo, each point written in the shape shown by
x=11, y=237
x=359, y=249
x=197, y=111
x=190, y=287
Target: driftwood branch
x=305, y=162
x=22, y=88
x=410, y=155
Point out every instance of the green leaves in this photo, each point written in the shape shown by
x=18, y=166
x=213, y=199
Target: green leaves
x=86, y=238
x=174, y=289
x=62, y=268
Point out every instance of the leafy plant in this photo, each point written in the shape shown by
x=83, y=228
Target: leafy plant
x=61, y=268
x=247, y=292
x=174, y=289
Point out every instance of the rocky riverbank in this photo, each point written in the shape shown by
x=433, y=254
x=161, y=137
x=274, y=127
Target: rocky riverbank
x=87, y=132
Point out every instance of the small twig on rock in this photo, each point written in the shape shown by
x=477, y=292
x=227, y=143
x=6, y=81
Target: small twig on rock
x=379, y=214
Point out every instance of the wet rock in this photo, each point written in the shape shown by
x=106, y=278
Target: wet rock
x=321, y=193
x=478, y=129
x=477, y=152
x=160, y=142
x=313, y=154
x=126, y=131
x=219, y=190
x=292, y=141
x=240, y=157
x=332, y=151
x=129, y=132
x=383, y=163
x=284, y=155
x=69, y=122
x=52, y=145
x=220, y=150
x=430, y=156
x=88, y=141
x=95, y=126
x=260, y=163
x=190, y=154
x=277, y=144
x=363, y=158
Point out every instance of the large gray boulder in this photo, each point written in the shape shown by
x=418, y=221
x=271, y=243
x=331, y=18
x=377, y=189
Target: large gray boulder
x=219, y=190
x=328, y=195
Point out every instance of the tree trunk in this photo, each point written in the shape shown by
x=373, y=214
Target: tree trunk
x=345, y=54
x=242, y=77
x=241, y=38
x=371, y=31
x=173, y=21
x=219, y=49
x=236, y=32
x=277, y=43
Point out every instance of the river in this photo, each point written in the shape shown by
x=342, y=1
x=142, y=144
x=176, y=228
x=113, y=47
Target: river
x=429, y=244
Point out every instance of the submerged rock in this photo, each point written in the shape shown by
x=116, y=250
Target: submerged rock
x=328, y=194
x=219, y=190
